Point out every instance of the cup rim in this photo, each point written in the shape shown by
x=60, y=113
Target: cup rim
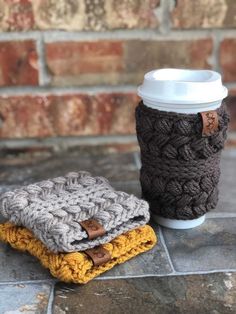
x=210, y=75
x=213, y=98
x=186, y=86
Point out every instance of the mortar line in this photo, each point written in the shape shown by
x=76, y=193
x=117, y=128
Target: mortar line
x=20, y=36
x=143, y=34
x=231, y=152
x=214, y=59
x=67, y=90
x=162, y=13
x=151, y=34
x=230, y=85
x=60, y=91
x=231, y=135
x=68, y=141
x=44, y=78
x=137, y=160
x=161, y=236
x=50, y=300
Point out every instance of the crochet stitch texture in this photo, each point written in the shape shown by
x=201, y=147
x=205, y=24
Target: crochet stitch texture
x=52, y=210
x=77, y=267
x=180, y=168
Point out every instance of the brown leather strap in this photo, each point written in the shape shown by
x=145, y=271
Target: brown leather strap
x=93, y=228
x=99, y=255
x=210, y=122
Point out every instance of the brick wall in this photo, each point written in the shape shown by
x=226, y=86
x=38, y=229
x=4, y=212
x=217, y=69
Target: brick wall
x=70, y=67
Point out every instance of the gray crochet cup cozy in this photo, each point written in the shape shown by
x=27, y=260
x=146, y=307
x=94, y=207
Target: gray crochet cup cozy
x=180, y=166
x=55, y=210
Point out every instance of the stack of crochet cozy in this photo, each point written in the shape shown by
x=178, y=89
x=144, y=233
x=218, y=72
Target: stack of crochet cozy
x=78, y=226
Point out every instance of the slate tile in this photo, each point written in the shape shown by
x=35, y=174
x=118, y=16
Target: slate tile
x=3, y=189
x=6, y=188
x=114, y=166
x=17, y=266
x=2, y=219
x=153, y=262
x=24, y=298
x=224, y=207
x=213, y=293
x=211, y=246
x=117, y=167
x=130, y=187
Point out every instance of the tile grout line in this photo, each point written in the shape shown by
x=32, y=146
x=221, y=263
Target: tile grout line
x=51, y=299
x=166, y=249
x=29, y=282
x=205, y=272
x=172, y=274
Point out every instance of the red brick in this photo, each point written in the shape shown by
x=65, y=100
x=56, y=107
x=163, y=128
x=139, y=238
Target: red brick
x=74, y=115
x=230, y=142
x=94, y=15
x=16, y=15
x=77, y=15
x=70, y=115
x=227, y=59
x=231, y=105
x=66, y=60
x=121, y=62
x=204, y=14
x=143, y=56
x=232, y=92
x=18, y=63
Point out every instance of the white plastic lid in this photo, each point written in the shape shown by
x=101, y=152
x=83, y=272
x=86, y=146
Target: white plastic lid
x=179, y=86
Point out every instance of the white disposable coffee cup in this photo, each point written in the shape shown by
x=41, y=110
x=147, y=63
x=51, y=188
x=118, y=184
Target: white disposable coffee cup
x=182, y=91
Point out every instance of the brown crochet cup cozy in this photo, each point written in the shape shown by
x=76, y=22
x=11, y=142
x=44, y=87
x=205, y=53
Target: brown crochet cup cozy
x=180, y=166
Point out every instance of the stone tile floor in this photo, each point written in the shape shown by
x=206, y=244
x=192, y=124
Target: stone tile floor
x=188, y=271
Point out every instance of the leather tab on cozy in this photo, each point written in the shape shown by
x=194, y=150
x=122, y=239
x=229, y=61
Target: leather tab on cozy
x=99, y=255
x=93, y=228
x=210, y=122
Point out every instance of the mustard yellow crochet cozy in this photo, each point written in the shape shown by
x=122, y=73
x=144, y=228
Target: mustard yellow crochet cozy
x=78, y=267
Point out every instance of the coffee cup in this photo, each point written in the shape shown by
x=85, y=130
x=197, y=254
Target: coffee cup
x=182, y=91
